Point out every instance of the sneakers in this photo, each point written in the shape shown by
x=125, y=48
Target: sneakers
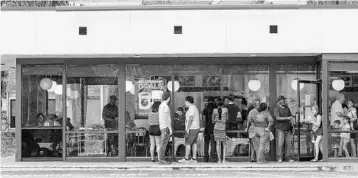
x=193, y=161
x=279, y=161
x=291, y=160
x=184, y=160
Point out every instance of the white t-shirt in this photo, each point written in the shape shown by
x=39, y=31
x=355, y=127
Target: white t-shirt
x=164, y=116
x=192, y=111
x=336, y=107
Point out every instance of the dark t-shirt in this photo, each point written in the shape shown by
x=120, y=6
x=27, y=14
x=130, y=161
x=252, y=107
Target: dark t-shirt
x=179, y=125
x=231, y=123
x=282, y=112
x=110, y=111
x=209, y=126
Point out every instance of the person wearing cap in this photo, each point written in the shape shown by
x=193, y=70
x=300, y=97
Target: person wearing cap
x=110, y=115
x=284, y=129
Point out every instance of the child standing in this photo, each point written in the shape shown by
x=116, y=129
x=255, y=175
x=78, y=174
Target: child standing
x=336, y=137
x=345, y=137
x=352, y=114
x=220, y=116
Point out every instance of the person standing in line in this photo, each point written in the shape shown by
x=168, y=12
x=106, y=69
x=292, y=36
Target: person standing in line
x=251, y=129
x=154, y=130
x=110, y=117
x=165, y=125
x=352, y=114
x=220, y=116
x=192, y=126
x=234, y=116
x=208, y=132
x=284, y=130
x=337, y=111
x=262, y=121
x=345, y=136
x=317, y=131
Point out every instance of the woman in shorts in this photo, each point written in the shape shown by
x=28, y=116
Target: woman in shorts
x=154, y=130
x=317, y=131
x=220, y=116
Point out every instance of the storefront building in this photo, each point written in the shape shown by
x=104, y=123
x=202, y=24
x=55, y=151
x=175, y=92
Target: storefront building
x=71, y=60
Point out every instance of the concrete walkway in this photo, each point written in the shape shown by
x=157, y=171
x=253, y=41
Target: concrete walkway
x=9, y=163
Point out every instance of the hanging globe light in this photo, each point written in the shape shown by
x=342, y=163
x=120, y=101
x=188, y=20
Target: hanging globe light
x=338, y=85
x=58, y=90
x=176, y=86
x=46, y=83
x=254, y=85
x=294, y=84
x=53, y=88
x=129, y=86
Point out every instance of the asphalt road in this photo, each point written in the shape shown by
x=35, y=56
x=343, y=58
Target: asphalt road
x=176, y=174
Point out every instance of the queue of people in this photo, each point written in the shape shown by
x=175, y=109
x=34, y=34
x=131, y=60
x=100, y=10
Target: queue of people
x=222, y=118
x=343, y=118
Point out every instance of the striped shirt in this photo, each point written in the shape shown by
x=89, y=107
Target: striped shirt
x=220, y=124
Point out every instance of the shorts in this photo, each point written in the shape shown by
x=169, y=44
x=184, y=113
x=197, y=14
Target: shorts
x=345, y=139
x=336, y=142
x=192, y=137
x=318, y=132
x=154, y=130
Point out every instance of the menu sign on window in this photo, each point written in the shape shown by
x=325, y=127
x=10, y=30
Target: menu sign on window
x=151, y=84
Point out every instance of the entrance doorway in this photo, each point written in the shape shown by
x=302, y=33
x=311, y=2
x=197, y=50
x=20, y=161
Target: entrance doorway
x=304, y=136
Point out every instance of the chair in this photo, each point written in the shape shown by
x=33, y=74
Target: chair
x=141, y=140
x=233, y=142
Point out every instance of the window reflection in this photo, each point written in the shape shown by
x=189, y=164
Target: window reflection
x=145, y=86
x=92, y=111
x=287, y=76
x=343, y=97
x=42, y=111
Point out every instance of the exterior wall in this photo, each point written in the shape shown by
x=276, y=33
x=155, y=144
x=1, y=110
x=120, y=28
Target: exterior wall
x=204, y=31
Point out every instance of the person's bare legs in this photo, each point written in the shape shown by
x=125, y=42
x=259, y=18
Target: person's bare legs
x=152, y=146
x=345, y=143
x=157, y=142
x=187, y=151
x=194, y=149
x=218, y=150
x=224, y=151
x=316, y=146
x=340, y=150
x=353, y=145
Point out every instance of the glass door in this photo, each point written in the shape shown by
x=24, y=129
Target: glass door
x=303, y=145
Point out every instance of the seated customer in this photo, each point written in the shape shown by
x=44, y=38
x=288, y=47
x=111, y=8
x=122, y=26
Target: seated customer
x=179, y=123
x=41, y=118
x=51, y=121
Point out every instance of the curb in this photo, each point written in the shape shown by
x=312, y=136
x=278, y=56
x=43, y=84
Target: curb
x=164, y=168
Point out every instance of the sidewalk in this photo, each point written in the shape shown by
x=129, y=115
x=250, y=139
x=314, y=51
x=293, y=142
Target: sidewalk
x=9, y=163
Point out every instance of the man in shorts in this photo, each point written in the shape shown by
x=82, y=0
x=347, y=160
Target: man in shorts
x=192, y=126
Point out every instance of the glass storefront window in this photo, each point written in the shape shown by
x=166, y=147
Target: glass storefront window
x=343, y=94
x=200, y=82
x=145, y=85
x=287, y=77
x=92, y=111
x=250, y=85
x=42, y=111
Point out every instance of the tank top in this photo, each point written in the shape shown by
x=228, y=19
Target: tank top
x=153, y=118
